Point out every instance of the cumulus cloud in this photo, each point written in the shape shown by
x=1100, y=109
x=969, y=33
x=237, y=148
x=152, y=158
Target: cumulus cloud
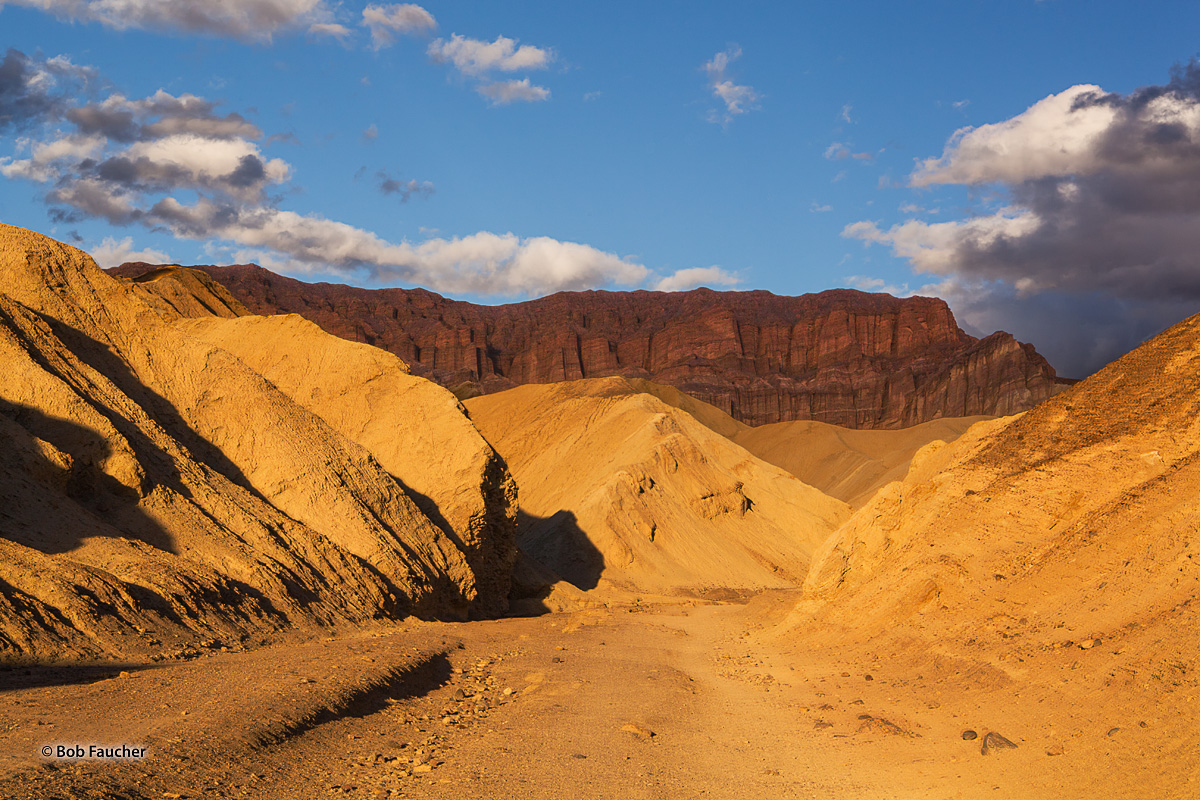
x=1103, y=197
x=477, y=60
x=738, y=99
x=475, y=57
x=385, y=21
x=241, y=19
x=113, y=253
x=693, y=277
x=33, y=91
x=505, y=92
x=161, y=114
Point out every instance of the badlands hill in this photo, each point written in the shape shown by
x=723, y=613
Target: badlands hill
x=842, y=357
x=621, y=489
x=158, y=493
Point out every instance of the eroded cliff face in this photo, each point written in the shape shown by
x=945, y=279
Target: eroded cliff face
x=843, y=357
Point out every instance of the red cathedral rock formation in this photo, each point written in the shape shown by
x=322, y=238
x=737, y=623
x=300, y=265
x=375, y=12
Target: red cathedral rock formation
x=844, y=357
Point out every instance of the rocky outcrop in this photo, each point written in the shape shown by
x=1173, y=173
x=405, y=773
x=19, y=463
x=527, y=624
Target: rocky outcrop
x=843, y=357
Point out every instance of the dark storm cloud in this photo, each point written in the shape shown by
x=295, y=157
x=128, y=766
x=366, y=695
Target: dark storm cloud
x=1104, y=216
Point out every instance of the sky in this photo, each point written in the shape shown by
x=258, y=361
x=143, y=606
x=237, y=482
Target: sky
x=1036, y=163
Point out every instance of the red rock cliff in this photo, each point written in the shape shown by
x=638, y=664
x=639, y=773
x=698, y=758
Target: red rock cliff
x=844, y=357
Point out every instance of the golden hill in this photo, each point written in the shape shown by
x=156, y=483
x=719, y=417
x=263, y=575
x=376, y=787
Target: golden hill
x=846, y=463
x=156, y=491
x=850, y=464
x=1040, y=575
x=618, y=486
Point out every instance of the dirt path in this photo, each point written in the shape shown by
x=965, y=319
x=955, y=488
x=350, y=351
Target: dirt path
x=668, y=701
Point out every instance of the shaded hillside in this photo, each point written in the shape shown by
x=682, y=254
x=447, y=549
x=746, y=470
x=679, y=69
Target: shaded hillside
x=842, y=357
x=158, y=494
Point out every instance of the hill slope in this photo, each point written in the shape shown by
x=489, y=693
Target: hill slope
x=157, y=493
x=618, y=486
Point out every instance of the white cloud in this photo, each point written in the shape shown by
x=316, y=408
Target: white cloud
x=331, y=29
x=839, y=151
x=505, y=92
x=1055, y=136
x=846, y=109
x=242, y=19
x=474, y=57
x=482, y=263
x=933, y=246
x=41, y=165
x=738, y=99
x=384, y=22
x=111, y=253
x=868, y=284
x=685, y=279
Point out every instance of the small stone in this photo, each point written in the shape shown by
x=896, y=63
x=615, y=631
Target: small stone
x=420, y=769
x=969, y=735
x=645, y=734
x=508, y=691
x=869, y=678
x=993, y=742
x=1055, y=750
x=1111, y=731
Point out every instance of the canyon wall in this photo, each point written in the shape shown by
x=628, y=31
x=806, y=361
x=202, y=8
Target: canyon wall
x=843, y=357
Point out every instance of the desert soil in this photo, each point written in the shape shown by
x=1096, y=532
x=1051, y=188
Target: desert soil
x=670, y=700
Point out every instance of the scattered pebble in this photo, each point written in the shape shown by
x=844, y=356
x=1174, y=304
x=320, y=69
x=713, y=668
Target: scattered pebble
x=969, y=735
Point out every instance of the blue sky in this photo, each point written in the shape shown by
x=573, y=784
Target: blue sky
x=496, y=151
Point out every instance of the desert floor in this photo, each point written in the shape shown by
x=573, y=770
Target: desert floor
x=666, y=700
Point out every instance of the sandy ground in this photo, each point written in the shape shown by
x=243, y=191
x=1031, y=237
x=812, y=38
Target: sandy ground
x=663, y=701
